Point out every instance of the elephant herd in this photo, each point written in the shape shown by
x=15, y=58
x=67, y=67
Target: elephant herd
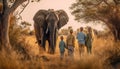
x=46, y=25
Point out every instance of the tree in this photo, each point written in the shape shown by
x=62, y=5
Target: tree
x=7, y=8
x=106, y=11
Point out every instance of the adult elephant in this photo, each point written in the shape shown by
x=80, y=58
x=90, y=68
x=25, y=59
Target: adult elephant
x=46, y=24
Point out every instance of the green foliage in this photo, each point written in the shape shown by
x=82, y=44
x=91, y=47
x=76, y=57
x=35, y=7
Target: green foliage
x=92, y=9
x=105, y=11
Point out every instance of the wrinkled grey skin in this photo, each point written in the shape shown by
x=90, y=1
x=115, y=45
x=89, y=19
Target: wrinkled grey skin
x=46, y=24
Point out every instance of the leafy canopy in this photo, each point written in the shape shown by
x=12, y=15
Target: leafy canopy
x=91, y=10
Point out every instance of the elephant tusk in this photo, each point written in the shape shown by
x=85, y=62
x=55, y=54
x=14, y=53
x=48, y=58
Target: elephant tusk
x=46, y=30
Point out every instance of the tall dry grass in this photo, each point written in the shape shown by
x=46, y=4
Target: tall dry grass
x=18, y=57
x=104, y=53
x=13, y=60
x=97, y=60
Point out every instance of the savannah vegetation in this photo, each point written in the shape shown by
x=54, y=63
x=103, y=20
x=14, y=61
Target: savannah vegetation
x=20, y=51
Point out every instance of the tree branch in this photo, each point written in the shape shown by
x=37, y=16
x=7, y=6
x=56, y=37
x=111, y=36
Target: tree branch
x=105, y=21
x=16, y=4
x=23, y=9
x=5, y=6
x=105, y=1
x=101, y=18
x=96, y=5
x=99, y=3
x=116, y=2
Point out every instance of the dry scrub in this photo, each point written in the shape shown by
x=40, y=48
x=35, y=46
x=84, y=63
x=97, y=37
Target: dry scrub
x=105, y=52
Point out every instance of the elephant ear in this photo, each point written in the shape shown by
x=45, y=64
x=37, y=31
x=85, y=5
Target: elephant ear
x=63, y=18
x=40, y=16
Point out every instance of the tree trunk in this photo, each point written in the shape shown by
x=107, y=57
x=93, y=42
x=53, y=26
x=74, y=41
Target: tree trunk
x=4, y=32
x=116, y=34
x=119, y=34
x=4, y=21
x=0, y=30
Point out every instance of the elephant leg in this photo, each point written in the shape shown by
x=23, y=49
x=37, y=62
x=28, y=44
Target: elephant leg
x=55, y=40
x=40, y=35
x=49, y=46
x=43, y=42
x=52, y=47
x=38, y=41
x=37, y=34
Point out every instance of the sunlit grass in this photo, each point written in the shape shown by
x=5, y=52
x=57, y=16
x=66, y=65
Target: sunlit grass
x=99, y=59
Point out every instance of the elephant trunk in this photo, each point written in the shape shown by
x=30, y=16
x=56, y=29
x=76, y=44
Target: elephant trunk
x=52, y=41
